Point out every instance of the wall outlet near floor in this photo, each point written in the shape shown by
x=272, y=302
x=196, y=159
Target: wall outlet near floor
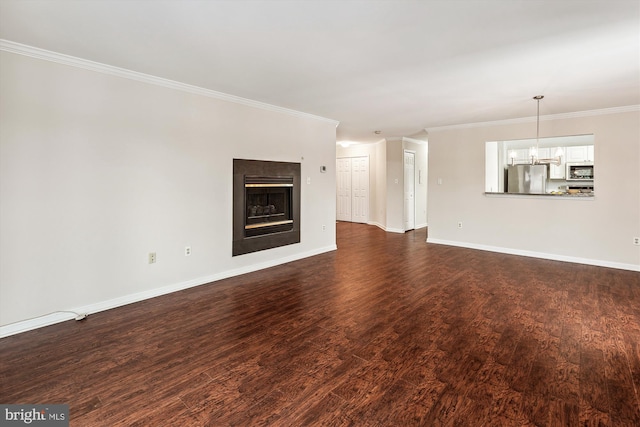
x=636, y=241
x=324, y=227
x=459, y=224
x=152, y=257
x=187, y=250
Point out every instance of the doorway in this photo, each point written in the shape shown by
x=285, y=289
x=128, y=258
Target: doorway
x=409, y=190
x=353, y=189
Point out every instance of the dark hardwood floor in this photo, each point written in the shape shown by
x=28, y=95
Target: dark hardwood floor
x=386, y=331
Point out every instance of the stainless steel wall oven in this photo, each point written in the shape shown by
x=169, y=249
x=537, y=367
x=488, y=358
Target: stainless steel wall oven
x=580, y=172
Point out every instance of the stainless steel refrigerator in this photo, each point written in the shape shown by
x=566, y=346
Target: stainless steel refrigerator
x=527, y=179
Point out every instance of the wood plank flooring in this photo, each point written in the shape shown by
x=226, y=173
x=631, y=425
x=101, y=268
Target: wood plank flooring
x=386, y=331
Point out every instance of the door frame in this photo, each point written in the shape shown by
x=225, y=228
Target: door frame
x=404, y=189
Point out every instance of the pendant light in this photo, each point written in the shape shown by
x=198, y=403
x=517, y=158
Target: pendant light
x=533, y=151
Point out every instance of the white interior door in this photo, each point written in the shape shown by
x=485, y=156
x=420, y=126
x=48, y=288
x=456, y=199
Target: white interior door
x=352, y=194
x=360, y=189
x=343, y=202
x=409, y=190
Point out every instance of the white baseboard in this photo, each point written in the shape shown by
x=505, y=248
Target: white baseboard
x=61, y=316
x=377, y=224
x=543, y=255
x=35, y=323
x=394, y=230
x=387, y=229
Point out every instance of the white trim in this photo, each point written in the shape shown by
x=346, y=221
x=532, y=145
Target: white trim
x=394, y=230
x=414, y=140
x=404, y=185
x=554, y=257
x=377, y=224
x=391, y=230
x=577, y=114
x=72, y=61
x=405, y=139
x=61, y=316
x=35, y=323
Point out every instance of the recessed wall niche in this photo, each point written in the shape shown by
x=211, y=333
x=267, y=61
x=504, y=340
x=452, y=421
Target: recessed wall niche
x=266, y=205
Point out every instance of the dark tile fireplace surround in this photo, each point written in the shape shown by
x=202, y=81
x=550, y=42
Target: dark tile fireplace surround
x=266, y=205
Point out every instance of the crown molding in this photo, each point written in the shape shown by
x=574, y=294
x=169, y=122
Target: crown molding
x=414, y=140
x=587, y=113
x=405, y=139
x=46, y=55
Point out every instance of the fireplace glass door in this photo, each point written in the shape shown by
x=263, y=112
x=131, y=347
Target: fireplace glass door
x=268, y=205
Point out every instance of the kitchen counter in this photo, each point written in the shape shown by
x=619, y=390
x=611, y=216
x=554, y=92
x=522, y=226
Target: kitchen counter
x=567, y=196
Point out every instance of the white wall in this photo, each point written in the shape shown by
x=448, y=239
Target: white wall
x=381, y=184
x=96, y=171
x=395, y=186
x=597, y=231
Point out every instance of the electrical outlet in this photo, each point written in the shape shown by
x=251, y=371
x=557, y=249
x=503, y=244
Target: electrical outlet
x=636, y=241
x=152, y=257
x=187, y=250
x=324, y=227
x=459, y=224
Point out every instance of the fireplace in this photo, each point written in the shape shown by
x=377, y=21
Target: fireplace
x=266, y=205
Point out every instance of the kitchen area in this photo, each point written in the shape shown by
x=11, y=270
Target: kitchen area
x=557, y=166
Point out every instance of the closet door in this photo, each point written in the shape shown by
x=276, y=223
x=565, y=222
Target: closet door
x=352, y=193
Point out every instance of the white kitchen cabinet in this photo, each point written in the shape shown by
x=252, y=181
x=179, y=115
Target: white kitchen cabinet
x=578, y=154
x=557, y=171
x=521, y=155
x=543, y=153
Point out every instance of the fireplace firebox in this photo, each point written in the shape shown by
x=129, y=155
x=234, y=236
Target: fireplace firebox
x=266, y=205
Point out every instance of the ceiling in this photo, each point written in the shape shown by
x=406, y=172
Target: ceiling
x=394, y=66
